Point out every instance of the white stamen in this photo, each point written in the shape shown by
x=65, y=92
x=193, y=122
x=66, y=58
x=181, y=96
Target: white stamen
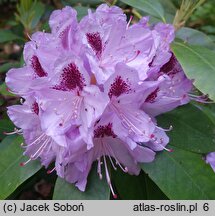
x=163, y=129
x=129, y=22
x=16, y=131
x=74, y=111
x=23, y=164
x=108, y=178
x=40, y=150
x=123, y=169
x=99, y=168
x=51, y=171
x=38, y=139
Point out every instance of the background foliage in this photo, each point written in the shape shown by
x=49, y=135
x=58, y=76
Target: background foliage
x=181, y=174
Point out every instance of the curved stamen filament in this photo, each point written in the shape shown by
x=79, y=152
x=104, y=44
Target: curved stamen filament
x=51, y=171
x=74, y=112
x=108, y=149
x=129, y=22
x=125, y=170
x=169, y=150
x=163, y=129
x=205, y=102
x=128, y=124
x=16, y=131
x=24, y=163
x=99, y=168
x=40, y=138
x=108, y=178
x=163, y=147
x=134, y=57
x=200, y=98
x=40, y=150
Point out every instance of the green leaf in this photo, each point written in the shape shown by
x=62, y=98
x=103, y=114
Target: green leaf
x=152, y=7
x=39, y=10
x=81, y=11
x=4, y=91
x=169, y=6
x=5, y=126
x=7, y=36
x=96, y=189
x=153, y=191
x=198, y=64
x=195, y=37
x=82, y=2
x=192, y=130
x=207, y=110
x=6, y=66
x=129, y=187
x=182, y=175
x=11, y=174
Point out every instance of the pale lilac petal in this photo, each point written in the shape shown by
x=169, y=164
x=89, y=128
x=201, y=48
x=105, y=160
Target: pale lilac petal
x=210, y=159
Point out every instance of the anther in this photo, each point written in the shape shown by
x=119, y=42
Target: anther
x=24, y=163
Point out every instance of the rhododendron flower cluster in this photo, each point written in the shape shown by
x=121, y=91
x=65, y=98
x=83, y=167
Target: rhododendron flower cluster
x=91, y=91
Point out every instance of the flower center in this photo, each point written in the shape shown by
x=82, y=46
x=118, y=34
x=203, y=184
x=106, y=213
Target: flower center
x=170, y=68
x=35, y=108
x=118, y=87
x=71, y=79
x=104, y=130
x=151, y=98
x=95, y=41
x=39, y=71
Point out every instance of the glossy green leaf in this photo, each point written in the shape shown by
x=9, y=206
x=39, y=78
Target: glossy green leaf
x=195, y=37
x=7, y=36
x=198, y=64
x=153, y=191
x=169, y=6
x=96, y=189
x=11, y=174
x=208, y=110
x=152, y=7
x=182, y=175
x=130, y=187
x=192, y=130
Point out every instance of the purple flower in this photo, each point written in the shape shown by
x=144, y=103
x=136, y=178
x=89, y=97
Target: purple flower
x=107, y=146
x=171, y=93
x=210, y=159
x=92, y=90
x=110, y=40
x=38, y=144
